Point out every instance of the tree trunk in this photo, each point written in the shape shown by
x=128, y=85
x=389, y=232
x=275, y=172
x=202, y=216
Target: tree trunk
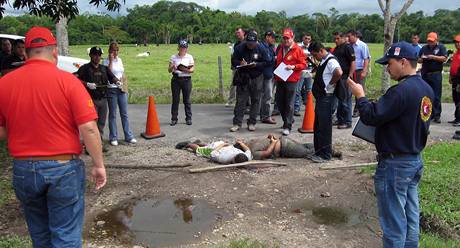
x=62, y=37
x=389, y=30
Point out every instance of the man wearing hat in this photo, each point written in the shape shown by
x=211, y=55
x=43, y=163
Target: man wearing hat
x=96, y=77
x=267, y=91
x=293, y=56
x=454, y=80
x=401, y=118
x=43, y=135
x=432, y=56
x=249, y=59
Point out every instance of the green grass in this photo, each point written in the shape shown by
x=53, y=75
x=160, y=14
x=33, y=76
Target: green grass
x=432, y=241
x=246, y=243
x=149, y=75
x=439, y=187
x=6, y=189
x=13, y=241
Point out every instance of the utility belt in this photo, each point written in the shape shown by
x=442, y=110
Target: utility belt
x=47, y=158
x=388, y=155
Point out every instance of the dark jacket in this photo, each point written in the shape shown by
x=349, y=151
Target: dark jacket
x=86, y=73
x=257, y=55
x=401, y=116
x=268, y=70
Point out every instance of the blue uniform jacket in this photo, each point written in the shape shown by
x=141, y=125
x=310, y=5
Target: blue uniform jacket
x=257, y=55
x=401, y=116
x=270, y=49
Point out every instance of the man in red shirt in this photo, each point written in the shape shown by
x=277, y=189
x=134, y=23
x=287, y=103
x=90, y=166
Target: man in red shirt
x=454, y=79
x=43, y=111
x=293, y=56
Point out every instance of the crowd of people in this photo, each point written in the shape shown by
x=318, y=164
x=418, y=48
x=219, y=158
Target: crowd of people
x=49, y=176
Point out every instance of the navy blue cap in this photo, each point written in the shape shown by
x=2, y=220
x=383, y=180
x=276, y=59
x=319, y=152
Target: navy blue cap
x=183, y=43
x=399, y=50
x=270, y=33
x=251, y=36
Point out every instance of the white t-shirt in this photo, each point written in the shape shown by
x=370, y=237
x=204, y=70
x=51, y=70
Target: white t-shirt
x=329, y=72
x=226, y=154
x=187, y=60
x=117, y=68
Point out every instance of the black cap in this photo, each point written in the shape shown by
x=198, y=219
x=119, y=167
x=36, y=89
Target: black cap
x=183, y=43
x=251, y=36
x=399, y=50
x=270, y=33
x=96, y=50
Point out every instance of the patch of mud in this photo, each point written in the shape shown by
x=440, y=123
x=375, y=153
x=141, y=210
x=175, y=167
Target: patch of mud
x=327, y=215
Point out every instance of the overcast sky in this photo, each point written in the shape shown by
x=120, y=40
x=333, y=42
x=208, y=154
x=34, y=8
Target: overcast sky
x=292, y=7
x=298, y=7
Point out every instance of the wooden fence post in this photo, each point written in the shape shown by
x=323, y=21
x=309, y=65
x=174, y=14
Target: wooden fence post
x=221, y=81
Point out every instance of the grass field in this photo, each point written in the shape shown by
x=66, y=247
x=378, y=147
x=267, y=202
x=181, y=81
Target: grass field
x=149, y=75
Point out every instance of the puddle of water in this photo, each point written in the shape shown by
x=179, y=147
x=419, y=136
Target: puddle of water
x=156, y=223
x=327, y=215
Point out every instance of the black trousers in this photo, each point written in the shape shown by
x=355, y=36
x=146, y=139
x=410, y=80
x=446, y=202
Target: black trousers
x=252, y=90
x=322, y=138
x=434, y=79
x=177, y=85
x=102, y=109
x=456, y=99
x=285, y=98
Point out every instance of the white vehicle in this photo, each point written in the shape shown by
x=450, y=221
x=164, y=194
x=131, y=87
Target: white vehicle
x=66, y=63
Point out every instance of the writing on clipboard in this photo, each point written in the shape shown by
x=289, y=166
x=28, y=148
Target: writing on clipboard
x=246, y=65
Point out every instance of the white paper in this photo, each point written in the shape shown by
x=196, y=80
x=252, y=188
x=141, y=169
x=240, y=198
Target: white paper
x=282, y=72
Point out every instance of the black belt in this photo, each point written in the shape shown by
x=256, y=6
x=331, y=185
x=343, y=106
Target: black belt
x=432, y=72
x=382, y=156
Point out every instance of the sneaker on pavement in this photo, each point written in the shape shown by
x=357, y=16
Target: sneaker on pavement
x=285, y=132
x=114, y=142
x=234, y=128
x=251, y=127
x=344, y=126
x=132, y=141
x=182, y=145
x=453, y=121
x=317, y=159
x=188, y=122
x=269, y=120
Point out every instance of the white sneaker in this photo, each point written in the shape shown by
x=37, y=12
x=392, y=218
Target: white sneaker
x=285, y=132
x=114, y=142
x=132, y=141
x=251, y=127
x=234, y=128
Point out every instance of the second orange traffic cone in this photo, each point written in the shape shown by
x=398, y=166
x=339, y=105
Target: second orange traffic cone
x=309, y=116
x=152, y=128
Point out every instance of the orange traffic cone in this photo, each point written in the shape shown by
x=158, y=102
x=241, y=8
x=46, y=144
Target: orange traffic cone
x=152, y=128
x=309, y=116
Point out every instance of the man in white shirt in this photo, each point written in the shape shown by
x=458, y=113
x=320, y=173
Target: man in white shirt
x=219, y=151
x=327, y=75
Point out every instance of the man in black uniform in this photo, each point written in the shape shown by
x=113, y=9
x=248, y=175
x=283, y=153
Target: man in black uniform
x=345, y=54
x=96, y=77
x=239, y=34
x=432, y=56
x=401, y=118
x=250, y=59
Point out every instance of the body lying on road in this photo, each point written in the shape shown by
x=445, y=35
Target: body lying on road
x=219, y=151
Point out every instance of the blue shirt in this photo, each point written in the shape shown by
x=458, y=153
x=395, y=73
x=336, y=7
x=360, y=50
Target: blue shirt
x=401, y=116
x=258, y=55
x=417, y=48
x=429, y=65
x=361, y=53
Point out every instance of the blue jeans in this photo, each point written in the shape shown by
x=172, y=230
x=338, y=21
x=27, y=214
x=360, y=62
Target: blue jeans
x=52, y=196
x=303, y=85
x=396, y=181
x=118, y=98
x=435, y=81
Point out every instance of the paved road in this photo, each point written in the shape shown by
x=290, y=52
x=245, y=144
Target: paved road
x=214, y=120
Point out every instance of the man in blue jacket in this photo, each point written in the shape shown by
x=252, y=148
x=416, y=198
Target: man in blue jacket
x=401, y=118
x=267, y=90
x=250, y=60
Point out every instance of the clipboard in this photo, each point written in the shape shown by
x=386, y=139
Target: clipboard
x=246, y=65
x=182, y=67
x=364, y=131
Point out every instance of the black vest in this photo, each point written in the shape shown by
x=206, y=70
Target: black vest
x=319, y=85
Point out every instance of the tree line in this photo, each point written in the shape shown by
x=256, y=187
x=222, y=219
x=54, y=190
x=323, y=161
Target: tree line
x=166, y=22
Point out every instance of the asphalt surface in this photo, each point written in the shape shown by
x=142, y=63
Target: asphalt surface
x=212, y=121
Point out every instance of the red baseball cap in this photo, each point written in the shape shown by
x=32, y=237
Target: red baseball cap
x=288, y=33
x=47, y=38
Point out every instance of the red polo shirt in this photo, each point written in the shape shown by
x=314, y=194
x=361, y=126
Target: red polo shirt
x=455, y=64
x=41, y=108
